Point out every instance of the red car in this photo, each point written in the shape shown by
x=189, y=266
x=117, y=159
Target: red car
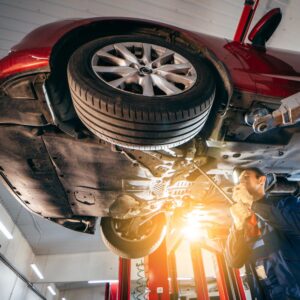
x=130, y=120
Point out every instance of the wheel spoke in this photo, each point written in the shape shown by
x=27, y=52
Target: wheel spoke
x=165, y=57
x=147, y=53
x=113, y=59
x=130, y=78
x=176, y=68
x=173, y=77
x=115, y=70
x=126, y=53
x=147, y=85
x=166, y=86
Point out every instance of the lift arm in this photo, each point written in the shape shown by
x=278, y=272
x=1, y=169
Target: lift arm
x=287, y=114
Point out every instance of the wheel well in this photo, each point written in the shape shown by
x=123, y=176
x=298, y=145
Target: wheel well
x=57, y=82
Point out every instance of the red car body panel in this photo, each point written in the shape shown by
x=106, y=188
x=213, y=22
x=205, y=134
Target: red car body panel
x=34, y=50
x=272, y=73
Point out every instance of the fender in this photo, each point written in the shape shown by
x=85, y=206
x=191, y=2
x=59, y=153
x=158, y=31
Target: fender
x=33, y=54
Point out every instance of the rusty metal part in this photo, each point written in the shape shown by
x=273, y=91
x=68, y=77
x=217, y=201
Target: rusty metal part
x=127, y=206
x=167, y=180
x=216, y=138
x=287, y=114
x=167, y=164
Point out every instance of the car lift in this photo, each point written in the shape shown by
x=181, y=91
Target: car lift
x=161, y=264
x=162, y=276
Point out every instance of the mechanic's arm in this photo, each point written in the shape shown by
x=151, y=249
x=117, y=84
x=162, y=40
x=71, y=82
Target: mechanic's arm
x=284, y=215
x=237, y=248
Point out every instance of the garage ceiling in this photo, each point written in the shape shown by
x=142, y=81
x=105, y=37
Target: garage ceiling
x=216, y=17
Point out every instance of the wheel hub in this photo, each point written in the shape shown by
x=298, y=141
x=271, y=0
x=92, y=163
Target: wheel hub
x=145, y=71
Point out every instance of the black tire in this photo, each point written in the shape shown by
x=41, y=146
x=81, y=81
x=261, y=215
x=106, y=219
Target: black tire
x=127, y=248
x=137, y=121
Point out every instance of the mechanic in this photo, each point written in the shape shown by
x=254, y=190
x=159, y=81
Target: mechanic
x=265, y=236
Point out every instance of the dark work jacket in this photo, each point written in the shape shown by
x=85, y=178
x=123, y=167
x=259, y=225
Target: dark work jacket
x=273, y=257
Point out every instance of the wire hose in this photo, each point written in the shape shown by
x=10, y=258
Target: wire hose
x=141, y=291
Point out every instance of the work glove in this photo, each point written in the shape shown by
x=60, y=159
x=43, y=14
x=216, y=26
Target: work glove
x=241, y=195
x=239, y=213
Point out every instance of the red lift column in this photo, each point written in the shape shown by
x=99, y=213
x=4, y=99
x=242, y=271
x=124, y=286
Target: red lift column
x=124, y=279
x=157, y=269
x=107, y=291
x=221, y=278
x=245, y=20
x=199, y=272
x=173, y=276
x=113, y=291
x=240, y=285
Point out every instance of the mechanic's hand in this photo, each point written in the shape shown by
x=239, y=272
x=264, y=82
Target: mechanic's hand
x=241, y=195
x=239, y=212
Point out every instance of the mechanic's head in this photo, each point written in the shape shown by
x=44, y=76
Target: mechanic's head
x=254, y=180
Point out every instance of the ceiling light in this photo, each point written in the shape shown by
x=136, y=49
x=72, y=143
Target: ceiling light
x=50, y=288
x=37, y=271
x=63, y=298
x=5, y=231
x=103, y=281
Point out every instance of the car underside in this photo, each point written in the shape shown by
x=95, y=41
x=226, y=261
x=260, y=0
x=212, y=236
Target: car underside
x=72, y=179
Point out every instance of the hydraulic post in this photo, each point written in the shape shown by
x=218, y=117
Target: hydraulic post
x=157, y=270
x=113, y=291
x=221, y=278
x=199, y=271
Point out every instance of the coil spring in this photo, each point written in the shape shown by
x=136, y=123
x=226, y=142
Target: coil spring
x=141, y=290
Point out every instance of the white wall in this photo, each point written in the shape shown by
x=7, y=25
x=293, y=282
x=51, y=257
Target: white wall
x=11, y=287
x=82, y=267
x=18, y=252
x=287, y=34
x=93, y=293
x=79, y=266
